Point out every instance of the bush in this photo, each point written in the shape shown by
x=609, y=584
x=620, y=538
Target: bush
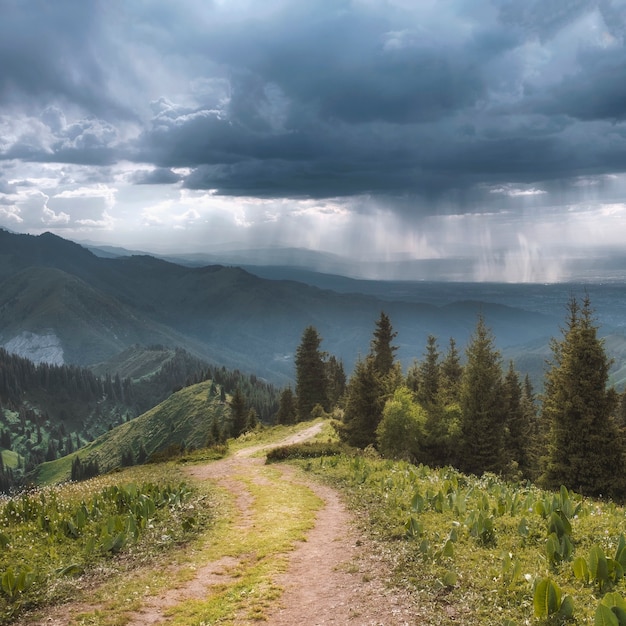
x=308, y=450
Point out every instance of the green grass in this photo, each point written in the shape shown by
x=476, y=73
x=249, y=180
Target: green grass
x=58, y=541
x=184, y=418
x=433, y=526
x=10, y=458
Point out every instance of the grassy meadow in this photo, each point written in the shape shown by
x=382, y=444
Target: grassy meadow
x=474, y=551
x=485, y=552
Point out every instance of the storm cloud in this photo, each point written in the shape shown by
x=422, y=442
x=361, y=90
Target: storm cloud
x=410, y=110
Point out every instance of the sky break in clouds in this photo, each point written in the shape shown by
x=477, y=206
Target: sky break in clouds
x=486, y=136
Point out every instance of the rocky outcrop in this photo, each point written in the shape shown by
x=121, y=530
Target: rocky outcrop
x=38, y=348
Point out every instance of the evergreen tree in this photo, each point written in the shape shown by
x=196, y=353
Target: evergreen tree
x=451, y=374
x=429, y=374
x=336, y=377
x=215, y=434
x=365, y=399
x=238, y=412
x=518, y=437
x=287, y=409
x=382, y=349
x=253, y=419
x=311, y=381
x=585, y=450
x=482, y=416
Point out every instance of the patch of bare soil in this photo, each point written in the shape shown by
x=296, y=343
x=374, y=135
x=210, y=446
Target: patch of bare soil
x=334, y=577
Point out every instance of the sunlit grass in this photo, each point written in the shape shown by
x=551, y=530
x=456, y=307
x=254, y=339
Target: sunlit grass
x=459, y=575
x=67, y=538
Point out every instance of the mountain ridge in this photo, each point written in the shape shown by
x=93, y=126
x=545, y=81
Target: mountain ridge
x=224, y=314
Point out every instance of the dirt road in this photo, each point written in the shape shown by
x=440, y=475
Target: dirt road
x=334, y=576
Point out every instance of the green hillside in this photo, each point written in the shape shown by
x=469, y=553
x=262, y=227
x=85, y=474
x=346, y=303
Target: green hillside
x=184, y=419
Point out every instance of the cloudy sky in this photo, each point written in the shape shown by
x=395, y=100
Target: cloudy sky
x=492, y=131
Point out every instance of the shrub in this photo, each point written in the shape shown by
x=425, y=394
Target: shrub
x=307, y=450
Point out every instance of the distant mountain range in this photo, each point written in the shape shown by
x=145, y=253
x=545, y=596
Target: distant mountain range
x=90, y=307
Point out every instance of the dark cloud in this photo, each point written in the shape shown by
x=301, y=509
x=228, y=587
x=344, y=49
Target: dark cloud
x=57, y=51
x=433, y=101
x=157, y=176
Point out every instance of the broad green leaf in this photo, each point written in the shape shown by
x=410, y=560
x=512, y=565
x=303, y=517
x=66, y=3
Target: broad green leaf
x=620, y=613
x=598, y=566
x=612, y=599
x=547, y=598
x=581, y=569
x=448, y=549
x=605, y=617
x=567, y=607
x=449, y=579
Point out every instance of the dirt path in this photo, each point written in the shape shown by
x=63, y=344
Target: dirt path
x=333, y=577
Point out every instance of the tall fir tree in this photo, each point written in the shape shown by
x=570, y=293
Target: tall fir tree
x=429, y=375
x=382, y=349
x=238, y=413
x=451, y=374
x=365, y=400
x=518, y=435
x=585, y=450
x=287, y=408
x=336, y=377
x=482, y=418
x=311, y=380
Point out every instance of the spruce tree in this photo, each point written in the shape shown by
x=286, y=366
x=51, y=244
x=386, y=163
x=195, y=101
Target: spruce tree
x=239, y=413
x=451, y=374
x=482, y=418
x=585, y=450
x=311, y=381
x=382, y=349
x=365, y=399
x=518, y=436
x=429, y=374
x=336, y=378
x=287, y=409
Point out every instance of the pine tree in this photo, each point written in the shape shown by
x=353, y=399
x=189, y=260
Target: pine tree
x=238, y=412
x=252, y=420
x=451, y=374
x=518, y=436
x=382, y=349
x=287, y=409
x=311, y=381
x=482, y=418
x=585, y=450
x=429, y=374
x=336, y=377
x=365, y=399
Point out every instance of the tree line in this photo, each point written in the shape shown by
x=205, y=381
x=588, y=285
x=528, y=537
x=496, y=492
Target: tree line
x=473, y=411
x=48, y=411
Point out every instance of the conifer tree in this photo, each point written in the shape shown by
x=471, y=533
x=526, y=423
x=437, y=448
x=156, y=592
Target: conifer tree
x=287, y=409
x=382, y=349
x=518, y=437
x=451, y=374
x=336, y=377
x=239, y=413
x=585, y=450
x=429, y=374
x=482, y=419
x=365, y=399
x=252, y=420
x=311, y=381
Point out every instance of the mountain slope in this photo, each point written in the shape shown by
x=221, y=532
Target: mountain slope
x=223, y=314
x=183, y=419
x=88, y=324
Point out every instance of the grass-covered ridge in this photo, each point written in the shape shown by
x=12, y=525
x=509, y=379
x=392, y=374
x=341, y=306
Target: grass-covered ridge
x=184, y=419
x=480, y=551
